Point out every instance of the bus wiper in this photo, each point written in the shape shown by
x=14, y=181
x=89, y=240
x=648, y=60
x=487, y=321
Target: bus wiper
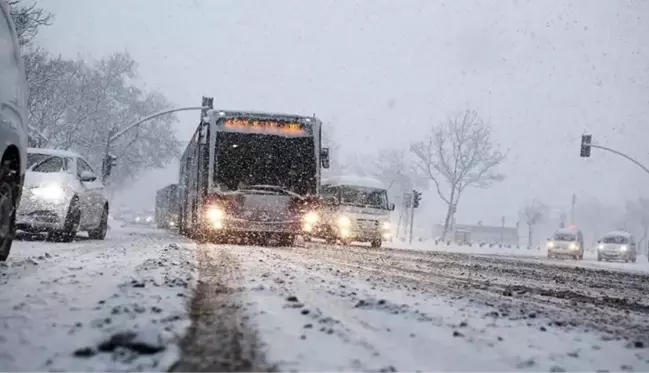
x=270, y=188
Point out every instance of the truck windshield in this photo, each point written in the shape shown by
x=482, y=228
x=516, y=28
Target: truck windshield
x=244, y=159
x=364, y=197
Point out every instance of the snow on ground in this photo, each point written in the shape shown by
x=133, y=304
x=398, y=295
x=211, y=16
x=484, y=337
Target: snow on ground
x=315, y=313
x=589, y=261
x=112, y=305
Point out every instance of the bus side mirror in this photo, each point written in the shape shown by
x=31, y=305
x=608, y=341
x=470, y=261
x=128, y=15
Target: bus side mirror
x=324, y=157
x=391, y=206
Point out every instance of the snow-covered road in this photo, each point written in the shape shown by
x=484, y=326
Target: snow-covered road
x=329, y=308
x=126, y=304
x=118, y=304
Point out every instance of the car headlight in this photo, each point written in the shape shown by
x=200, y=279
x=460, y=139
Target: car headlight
x=172, y=223
x=50, y=192
x=623, y=248
x=600, y=247
x=386, y=225
x=137, y=218
x=149, y=219
x=550, y=244
x=311, y=217
x=573, y=246
x=344, y=222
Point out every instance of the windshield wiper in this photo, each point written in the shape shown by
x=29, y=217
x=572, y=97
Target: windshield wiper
x=270, y=188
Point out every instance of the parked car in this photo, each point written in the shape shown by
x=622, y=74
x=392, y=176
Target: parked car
x=13, y=128
x=62, y=196
x=617, y=245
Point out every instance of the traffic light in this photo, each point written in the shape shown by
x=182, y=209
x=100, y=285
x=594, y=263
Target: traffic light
x=107, y=165
x=416, y=197
x=585, y=145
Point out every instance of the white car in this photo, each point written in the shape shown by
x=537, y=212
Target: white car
x=13, y=128
x=617, y=245
x=62, y=196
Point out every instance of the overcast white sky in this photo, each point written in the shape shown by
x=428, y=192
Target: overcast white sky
x=382, y=72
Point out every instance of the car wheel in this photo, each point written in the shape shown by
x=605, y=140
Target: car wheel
x=100, y=232
x=8, y=202
x=633, y=260
x=71, y=226
x=376, y=243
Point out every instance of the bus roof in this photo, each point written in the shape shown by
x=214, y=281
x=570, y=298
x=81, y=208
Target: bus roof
x=258, y=114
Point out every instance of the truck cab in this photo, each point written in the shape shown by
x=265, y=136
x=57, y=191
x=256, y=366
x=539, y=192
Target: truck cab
x=353, y=209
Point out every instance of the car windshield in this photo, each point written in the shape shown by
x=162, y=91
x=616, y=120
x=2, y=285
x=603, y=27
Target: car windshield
x=364, y=196
x=564, y=237
x=33, y=158
x=615, y=239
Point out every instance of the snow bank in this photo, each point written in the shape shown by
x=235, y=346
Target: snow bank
x=522, y=253
x=114, y=305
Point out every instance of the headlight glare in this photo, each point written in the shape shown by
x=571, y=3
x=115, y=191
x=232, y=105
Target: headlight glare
x=49, y=192
x=215, y=214
x=344, y=221
x=311, y=217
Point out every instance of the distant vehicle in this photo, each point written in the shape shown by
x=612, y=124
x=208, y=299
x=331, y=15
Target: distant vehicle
x=62, y=196
x=166, y=207
x=353, y=209
x=145, y=217
x=250, y=175
x=617, y=245
x=13, y=128
x=566, y=242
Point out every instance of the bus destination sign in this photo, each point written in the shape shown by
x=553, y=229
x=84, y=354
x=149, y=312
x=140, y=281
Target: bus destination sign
x=265, y=126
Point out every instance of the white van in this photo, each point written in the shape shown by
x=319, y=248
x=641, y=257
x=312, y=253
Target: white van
x=355, y=209
x=566, y=242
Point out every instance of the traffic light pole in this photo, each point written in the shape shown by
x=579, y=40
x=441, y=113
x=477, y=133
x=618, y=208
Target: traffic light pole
x=114, y=136
x=412, y=221
x=621, y=155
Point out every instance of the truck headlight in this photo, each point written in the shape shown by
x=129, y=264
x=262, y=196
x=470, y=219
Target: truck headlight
x=344, y=222
x=311, y=217
x=623, y=248
x=51, y=192
x=386, y=225
x=573, y=246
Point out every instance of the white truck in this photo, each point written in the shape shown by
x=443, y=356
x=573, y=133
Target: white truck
x=353, y=209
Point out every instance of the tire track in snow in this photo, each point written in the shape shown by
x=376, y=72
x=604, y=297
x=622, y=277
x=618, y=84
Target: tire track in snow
x=220, y=339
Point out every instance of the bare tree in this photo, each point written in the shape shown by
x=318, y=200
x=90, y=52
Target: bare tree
x=77, y=105
x=533, y=213
x=457, y=154
x=28, y=18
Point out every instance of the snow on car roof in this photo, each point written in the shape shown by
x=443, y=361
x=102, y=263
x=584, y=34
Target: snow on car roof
x=54, y=152
x=354, y=180
x=617, y=234
x=567, y=230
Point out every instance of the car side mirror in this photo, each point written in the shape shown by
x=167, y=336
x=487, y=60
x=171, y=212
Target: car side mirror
x=391, y=206
x=324, y=157
x=87, y=176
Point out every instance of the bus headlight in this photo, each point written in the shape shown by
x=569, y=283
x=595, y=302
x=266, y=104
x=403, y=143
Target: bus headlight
x=215, y=216
x=344, y=222
x=311, y=218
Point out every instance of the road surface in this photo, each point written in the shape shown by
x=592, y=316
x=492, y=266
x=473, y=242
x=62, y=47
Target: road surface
x=148, y=300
